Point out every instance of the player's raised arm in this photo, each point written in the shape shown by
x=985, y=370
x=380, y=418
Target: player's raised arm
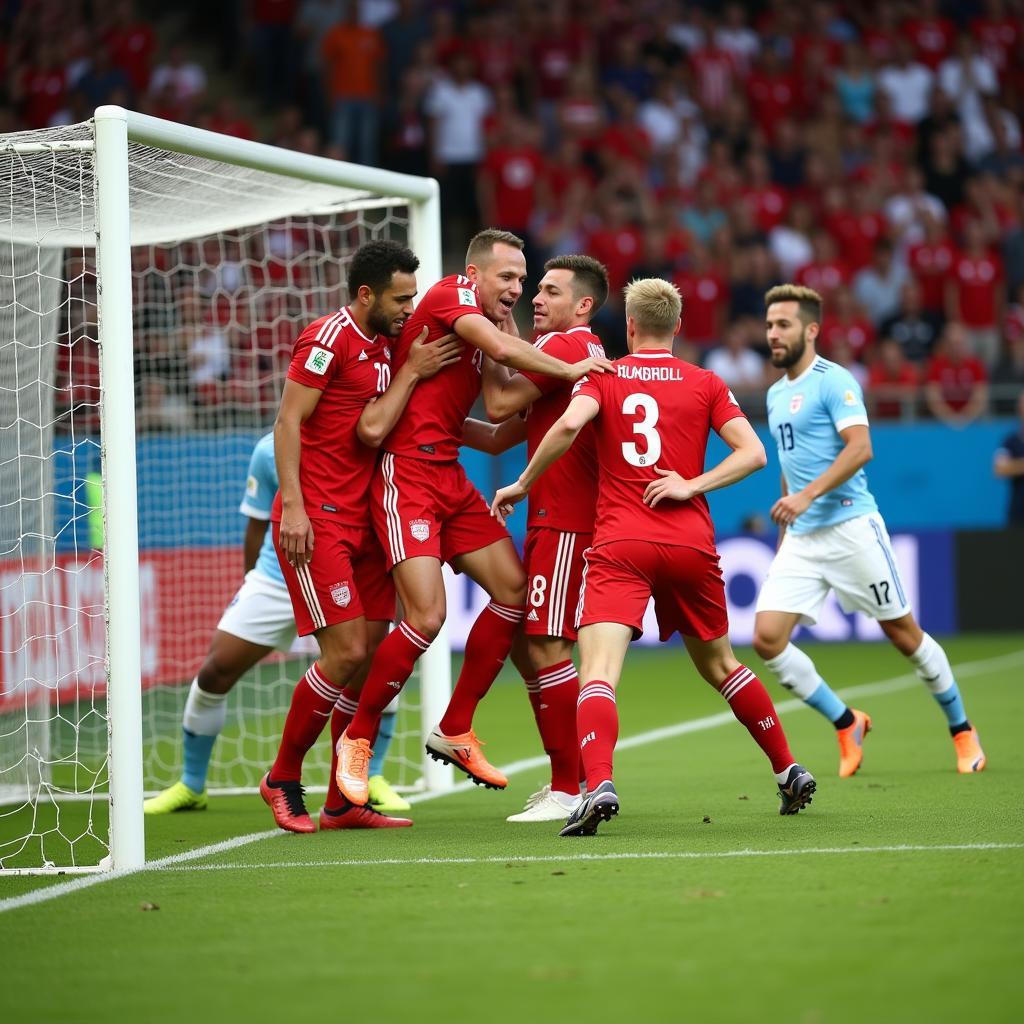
x=493, y=439
x=747, y=456
x=557, y=441
x=297, y=404
x=506, y=394
x=479, y=332
x=381, y=414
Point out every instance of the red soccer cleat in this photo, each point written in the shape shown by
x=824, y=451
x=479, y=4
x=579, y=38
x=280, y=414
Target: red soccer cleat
x=285, y=800
x=360, y=817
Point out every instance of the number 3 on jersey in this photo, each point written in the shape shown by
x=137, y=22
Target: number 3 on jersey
x=648, y=406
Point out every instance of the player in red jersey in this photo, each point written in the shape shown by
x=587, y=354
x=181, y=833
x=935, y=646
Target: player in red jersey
x=560, y=526
x=332, y=563
x=426, y=511
x=654, y=538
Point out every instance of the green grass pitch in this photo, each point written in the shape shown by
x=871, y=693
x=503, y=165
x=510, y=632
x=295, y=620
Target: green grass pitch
x=897, y=896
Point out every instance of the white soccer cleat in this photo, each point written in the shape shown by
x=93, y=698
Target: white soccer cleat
x=547, y=805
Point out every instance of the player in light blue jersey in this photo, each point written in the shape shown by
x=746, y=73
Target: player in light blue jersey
x=258, y=620
x=833, y=536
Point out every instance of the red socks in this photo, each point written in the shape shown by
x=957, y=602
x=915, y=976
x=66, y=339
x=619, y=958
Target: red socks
x=557, y=690
x=753, y=707
x=343, y=712
x=487, y=647
x=597, y=724
x=312, y=701
x=392, y=665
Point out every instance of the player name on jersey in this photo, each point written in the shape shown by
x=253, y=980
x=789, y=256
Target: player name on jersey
x=664, y=373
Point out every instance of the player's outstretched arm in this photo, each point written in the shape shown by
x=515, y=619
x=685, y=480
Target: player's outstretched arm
x=381, y=413
x=557, y=441
x=505, y=394
x=855, y=454
x=493, y=438
x=503, y=348
x=747, y=456
x=297, y=405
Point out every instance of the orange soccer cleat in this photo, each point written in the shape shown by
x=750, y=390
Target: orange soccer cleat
x=285, y=800
x=851, y=743
x=970, y=757
x=463, y=751
x=360, y=817
x=353, y=768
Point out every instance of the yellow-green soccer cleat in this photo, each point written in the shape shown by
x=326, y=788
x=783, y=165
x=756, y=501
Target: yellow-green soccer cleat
x=383, y=797
x=175, y=798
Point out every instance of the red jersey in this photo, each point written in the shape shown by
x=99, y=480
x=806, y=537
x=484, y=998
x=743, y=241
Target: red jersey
x=977, y=280
x=957, y=381
x=334, y=356
x=656, y=410
x=931, y=263
x=514, y=172
x=431, y=425
x=564, y=498
x=704, y=296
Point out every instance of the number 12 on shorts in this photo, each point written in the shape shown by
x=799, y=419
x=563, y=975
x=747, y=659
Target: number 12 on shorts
x=881, y=591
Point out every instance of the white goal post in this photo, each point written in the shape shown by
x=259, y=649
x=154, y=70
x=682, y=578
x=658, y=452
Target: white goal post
x=114, y=200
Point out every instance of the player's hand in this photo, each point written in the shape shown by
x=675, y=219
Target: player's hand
x=595, y=364
x=509, y=325
x=786, y=510
x=425, y=360
x=671, y=486
x=296, y=538
x=505, y=500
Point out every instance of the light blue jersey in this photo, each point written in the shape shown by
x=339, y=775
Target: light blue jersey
x=260, y=488
x=805, y=416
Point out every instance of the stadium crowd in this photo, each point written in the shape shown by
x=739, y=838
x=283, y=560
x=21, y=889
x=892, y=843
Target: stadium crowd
x=872, y=151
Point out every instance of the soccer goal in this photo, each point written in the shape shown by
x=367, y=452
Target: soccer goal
x=153, y=278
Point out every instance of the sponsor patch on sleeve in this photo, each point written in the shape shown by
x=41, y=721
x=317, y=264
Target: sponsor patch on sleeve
x=467, y=297
x=318, y=360
x=849, y=398
x=252, y=486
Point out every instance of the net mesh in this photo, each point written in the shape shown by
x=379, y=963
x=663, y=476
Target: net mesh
x=228, y=263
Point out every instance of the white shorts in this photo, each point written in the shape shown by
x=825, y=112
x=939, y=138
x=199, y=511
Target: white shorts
x=261, y=613
x=853, y=558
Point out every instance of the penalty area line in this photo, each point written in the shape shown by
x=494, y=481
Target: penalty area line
x=894, y=684
x=586, y=857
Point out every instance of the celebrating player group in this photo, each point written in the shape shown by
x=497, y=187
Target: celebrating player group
x=372, y=499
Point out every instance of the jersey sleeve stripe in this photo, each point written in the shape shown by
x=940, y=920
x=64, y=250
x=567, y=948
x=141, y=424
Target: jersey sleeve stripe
x=327, y=324
x=852, y=421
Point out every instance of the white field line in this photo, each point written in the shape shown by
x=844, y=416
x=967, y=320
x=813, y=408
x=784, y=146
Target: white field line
x=571, y=857
x=877, y=688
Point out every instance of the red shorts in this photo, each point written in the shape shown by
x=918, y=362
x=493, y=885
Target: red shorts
x=421, y=507
x=345, y=578
x=689, y=595
x=554, y=569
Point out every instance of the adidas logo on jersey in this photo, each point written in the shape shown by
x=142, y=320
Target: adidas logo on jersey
x=533, y=616
x=363, y=355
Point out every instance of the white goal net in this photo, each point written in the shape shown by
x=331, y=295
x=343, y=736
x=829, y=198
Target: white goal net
x=228, y=261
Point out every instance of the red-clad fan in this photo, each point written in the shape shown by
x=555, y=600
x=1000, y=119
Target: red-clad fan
x=426, y=511
x=931, y=262
x=561, y=519
x=339, y=394
x=976, y=293
x=654, y=538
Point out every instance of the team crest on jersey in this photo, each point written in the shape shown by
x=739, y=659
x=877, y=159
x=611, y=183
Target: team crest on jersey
x=318, y=360
x=794, y=404
x=420, y=529
x=340, y=594
x=467, y=297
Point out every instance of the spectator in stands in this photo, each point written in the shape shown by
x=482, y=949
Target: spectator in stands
x=458, y=103
x=877, y=288
x=736, y=362
x=181, y=79
x=1009, y=465
x=855, y=84
x=353, y=57
x=104, y=80
x=907, y=210
x=956, y=381
x=976, y=294
x=313, y=20
x=914, y=328
x=907, y=83
x=1008, y=376
x=893, y=382
x=966, y=77
x=845, y=322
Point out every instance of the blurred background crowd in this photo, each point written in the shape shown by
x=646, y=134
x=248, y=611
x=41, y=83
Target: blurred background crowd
x=871, y=150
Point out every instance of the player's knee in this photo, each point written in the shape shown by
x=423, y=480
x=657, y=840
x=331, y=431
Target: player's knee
x=768, y=643
x=426, y=621
x=340, y=665
x=217, y=676
x=512, y=587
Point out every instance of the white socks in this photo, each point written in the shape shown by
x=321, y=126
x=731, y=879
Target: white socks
x=205, y=713
x=796, y=671
x=932, y=666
